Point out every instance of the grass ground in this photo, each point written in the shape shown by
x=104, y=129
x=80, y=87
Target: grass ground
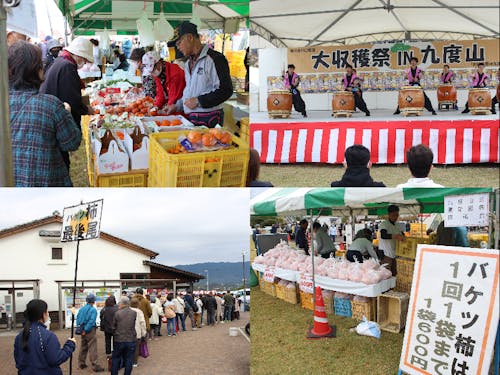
x=279, y=344
x=78, y=168
x=321, y=175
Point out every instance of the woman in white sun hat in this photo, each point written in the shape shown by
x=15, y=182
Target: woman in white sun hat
x=62, y=79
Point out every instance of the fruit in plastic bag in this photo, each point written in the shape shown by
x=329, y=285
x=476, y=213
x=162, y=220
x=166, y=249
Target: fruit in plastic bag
x=368, y=328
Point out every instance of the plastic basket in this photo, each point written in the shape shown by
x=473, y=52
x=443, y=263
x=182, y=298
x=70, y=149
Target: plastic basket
x=404, y=277
x=367, y=309
x=136, y=178
x=306, y=300
x=408, y=248
x=291, y=295
x=226, y=168
x=245, y=129
x=342, y=307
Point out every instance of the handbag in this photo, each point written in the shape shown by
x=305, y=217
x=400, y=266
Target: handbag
x=164, y=319
x=143, y=349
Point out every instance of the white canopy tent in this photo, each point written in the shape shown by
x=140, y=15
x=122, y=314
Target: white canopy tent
x=299, y=23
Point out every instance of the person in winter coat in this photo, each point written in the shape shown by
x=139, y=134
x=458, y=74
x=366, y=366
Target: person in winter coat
x=140, y=326
x=53, y=50
x=211, y=306
x=324, y=244
x=358, y=164
x=106, y=316
x=124, y=337
x=218, y=313
x=170, y=83
x=86, y=318
x=36, y=349
x=62, y=79
x=144, y=305
x=197, y=314
x=189, y=309
x=170, y=313
x=179, y=311
x=228, y=306
x=154, y=321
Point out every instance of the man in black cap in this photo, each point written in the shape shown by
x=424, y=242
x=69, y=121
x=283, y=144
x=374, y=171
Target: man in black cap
x=208, y=83
x=357, y=173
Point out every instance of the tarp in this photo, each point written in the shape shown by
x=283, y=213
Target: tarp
x=88, y=16
x=319, y=22
x=282, y=201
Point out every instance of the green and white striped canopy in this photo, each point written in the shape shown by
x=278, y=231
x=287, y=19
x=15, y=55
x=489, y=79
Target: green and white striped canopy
x=321, y=201
x=89, y=16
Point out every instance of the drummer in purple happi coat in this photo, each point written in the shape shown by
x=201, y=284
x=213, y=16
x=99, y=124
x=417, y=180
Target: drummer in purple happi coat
x=447, y=77
x=479, y=80
x=352, y=83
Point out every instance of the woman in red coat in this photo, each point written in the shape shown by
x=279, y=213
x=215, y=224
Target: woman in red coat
x=170, y=83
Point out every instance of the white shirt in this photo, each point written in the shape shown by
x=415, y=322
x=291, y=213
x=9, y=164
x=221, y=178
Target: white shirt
x=333, y=231
x=389, y=246
x=419, y=182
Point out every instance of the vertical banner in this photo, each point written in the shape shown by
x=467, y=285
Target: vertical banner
x=452, y=319
x=82, y=222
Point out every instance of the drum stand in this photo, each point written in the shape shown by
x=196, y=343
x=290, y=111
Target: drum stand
x=446, y=106
x=412, y=112
x=342, y=113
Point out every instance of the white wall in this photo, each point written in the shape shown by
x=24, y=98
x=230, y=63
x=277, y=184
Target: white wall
x=272, y=62
x=28, y=256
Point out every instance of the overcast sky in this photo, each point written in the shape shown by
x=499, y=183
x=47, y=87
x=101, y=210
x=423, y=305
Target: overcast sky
x=185, y=226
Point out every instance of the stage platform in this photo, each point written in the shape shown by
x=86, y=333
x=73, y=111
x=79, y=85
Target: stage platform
x=455, y=138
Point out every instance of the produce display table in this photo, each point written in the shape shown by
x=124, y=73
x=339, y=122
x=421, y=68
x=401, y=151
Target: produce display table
x=336, y=285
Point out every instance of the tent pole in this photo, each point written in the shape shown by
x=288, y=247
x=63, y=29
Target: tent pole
x=312, y=259
x=6, y=168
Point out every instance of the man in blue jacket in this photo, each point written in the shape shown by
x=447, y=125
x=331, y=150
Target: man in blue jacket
x=86, y=318
x=208, y=82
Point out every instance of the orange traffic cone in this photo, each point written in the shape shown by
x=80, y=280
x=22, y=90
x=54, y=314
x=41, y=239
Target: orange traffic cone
x=321, y=328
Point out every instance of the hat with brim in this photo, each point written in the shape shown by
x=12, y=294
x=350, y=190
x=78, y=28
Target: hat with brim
x=81, y=47
x=54, y=43
x=183, y=29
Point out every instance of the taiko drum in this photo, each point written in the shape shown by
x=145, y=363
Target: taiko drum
x=343, y=101
x=279, y=103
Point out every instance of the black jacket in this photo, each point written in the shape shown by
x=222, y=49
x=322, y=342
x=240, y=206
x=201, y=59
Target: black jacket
x=62, y=81
x=106, y=315
x=210, y=303
x=357, y=177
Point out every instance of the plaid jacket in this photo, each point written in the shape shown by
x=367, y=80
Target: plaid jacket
x=41, y=128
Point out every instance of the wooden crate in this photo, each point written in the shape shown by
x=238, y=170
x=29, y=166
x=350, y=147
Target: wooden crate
x=392, y=308
x=291, y=295
x=328, y=300
x=280, y=291
x=342, y=307
x=404, y=277
x=367, y=309
x=306, y=300
x=267, y=287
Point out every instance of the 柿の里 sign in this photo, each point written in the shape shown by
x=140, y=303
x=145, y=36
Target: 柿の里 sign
x=453, y=314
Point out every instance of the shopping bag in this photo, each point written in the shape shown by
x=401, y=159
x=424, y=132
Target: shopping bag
x=143, y=349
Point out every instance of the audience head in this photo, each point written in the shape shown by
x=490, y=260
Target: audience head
x=419, y=160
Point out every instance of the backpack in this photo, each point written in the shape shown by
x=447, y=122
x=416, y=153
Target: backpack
x=195, y=307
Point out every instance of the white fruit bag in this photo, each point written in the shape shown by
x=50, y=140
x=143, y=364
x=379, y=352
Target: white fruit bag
x=145, y=29
x=162, y=29
x=368, y=328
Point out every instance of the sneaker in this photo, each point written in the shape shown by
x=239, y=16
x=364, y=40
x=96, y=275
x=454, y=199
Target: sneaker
x=98, y=369
x=174, y=334
x=170, y=335
x=194, y=328
x=134, y=365
x=83, y=367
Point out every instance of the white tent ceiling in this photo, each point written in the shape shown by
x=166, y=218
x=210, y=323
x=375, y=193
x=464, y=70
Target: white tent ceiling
x=300, y=23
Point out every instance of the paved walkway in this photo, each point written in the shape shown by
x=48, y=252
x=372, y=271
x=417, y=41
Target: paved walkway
x=209, y=350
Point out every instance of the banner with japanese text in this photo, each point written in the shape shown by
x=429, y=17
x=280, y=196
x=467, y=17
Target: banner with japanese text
x=466, y=210
x=382, y=65
x=82, y=222
x=453, y=314
x=394, y=56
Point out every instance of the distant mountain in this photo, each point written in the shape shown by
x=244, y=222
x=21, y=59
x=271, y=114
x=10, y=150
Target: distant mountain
x=222, y=275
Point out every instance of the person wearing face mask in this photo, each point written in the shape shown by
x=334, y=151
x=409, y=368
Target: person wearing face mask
x=36, y=349
x=62, y=79
x=149, y=60
x=41, y=127
x=53, y=50
x=169, y=82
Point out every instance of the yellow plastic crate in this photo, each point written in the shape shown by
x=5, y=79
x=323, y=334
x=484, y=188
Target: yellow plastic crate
x=135, y=178
x=404, y=277
x=408, y=248
x=86, y=133
x=245, y=129
x=418, y=230
x=227, y=168
x=367, y=309
x=306, y=300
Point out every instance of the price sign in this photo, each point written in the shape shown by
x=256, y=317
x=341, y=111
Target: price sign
x=269, y=274
x=306, y=283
